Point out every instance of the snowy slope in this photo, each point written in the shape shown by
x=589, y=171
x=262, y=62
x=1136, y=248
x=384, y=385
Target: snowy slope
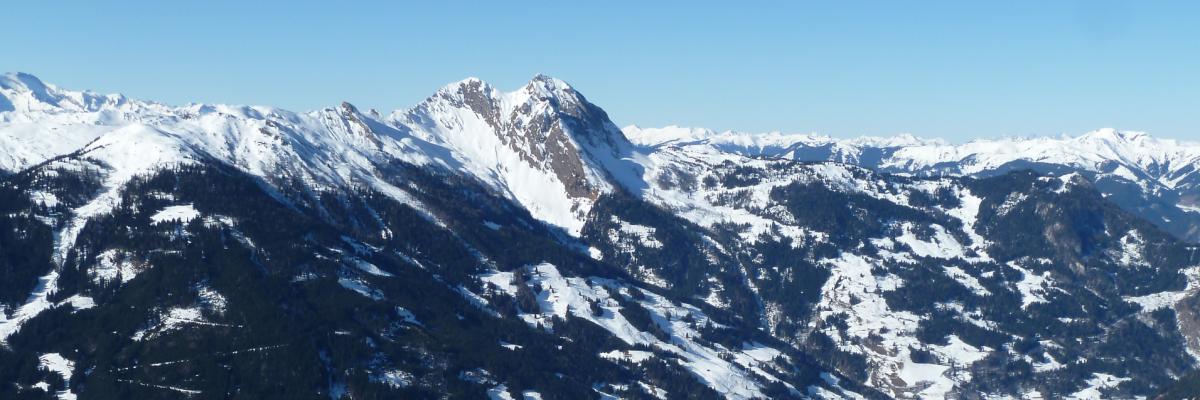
x=862, y=150
x=761, y=223
x=542, y=145
x=1158, y=179
x=1167, y=161
x=862, y=229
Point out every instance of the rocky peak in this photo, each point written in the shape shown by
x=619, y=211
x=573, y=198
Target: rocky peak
x=545, y=129
x=546, y=120
x=357, y=123
x=547, y=89
x=348, y=108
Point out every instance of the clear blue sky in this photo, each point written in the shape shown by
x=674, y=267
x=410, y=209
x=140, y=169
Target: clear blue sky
x=956, y=70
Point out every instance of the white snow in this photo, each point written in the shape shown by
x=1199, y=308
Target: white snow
x=941, y=245
x=1155, y=301
x=1010, y=202
x=499, y=392
x=212, y=300
x=633, y=356
x=367, y=267
x=46, y=199
x=361, y=287
x=395, y=378
x=1049, y=364
x=54, y=362
x=1068, y=181
x=959, y=353
x=37, y=302
x=886, y=337
x=1153, y=164
x=968, y=214
x=851, y=277
x=339, y=148
x=476, y=300
x=1096, y=386
x=644, y=235
x=1033, y=287
x=79, y=302
x=770, y=144
x=329, y=148
x=176, y=318
x=1132, y=246
x=183, y=213
x=113, y=264
x=499, y=155
x=407, y=316
x=595, y=253
x=502, y=280
x=183, y=391
x=562, y=296
x=966, y=280
x=917, y=374
x=126, y=152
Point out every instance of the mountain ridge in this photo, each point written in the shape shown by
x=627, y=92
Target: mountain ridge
x=543, y=104
x=533, y=222
x=1158, y=179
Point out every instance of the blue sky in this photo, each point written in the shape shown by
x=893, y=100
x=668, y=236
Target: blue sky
x=957, y=70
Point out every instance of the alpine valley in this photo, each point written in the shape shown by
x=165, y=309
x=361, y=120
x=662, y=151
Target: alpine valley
x=521, y=245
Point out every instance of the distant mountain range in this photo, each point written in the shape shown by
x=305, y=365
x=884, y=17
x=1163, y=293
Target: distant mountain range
x=520, y=245
x=1156, y=179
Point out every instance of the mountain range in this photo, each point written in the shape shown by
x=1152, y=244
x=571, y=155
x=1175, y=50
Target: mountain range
x=521, y=245
x=1156, y=179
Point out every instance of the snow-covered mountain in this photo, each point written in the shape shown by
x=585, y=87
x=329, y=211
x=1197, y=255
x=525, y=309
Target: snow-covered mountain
x=209, y=251
x=1158, y=179
x=544, y=144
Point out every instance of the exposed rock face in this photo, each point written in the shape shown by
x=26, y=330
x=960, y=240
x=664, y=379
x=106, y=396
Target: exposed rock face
x=546, y=125
x=438, y=250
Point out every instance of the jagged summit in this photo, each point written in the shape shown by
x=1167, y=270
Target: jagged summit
x=473, y=88
x=547, y=87
x=544, y=142
x=441, y=245
x=543, y=137
x=346, y=107
x=540, y=77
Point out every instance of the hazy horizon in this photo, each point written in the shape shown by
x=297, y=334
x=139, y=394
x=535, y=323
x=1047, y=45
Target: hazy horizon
x=977, y=71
